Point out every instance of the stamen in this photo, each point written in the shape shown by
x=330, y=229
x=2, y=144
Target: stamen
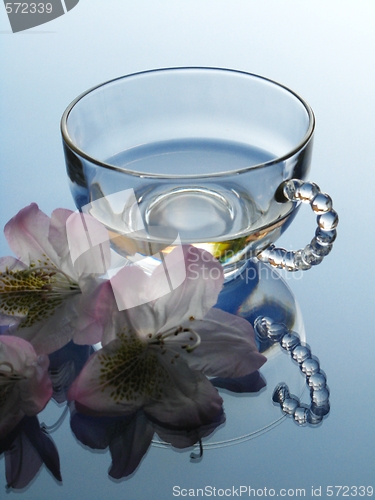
x=190, y=348
x=172, y=332
x=54, y=271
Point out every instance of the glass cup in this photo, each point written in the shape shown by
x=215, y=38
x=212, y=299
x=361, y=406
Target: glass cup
x=211, y=157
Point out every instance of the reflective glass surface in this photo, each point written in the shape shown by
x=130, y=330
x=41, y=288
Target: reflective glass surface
x=323, y=51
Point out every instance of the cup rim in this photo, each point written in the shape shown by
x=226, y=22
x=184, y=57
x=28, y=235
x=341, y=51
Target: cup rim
x=299, y=146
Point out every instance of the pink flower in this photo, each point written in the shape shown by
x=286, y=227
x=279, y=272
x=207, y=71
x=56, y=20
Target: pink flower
x=157, y=355
x=45, y=298
x=25, y=387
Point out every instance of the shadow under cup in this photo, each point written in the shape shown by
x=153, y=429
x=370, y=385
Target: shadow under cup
x=188, y=156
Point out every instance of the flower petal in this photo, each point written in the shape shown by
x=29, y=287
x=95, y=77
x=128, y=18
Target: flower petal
x=196, y=295
x=22, y=463
x=94, y=307
x=53, y=331
x=127, y=375
x=16, y=352
x=97, y=392
x=12, y=264
x=43, y=444
x=128, y=445
x=27, y=377
x=188, y=399
x=88, y=242
x=253, y=382
x=167, y=306
x=227, y=346
x=182, y=438
x=27, y=235
x=57, y=236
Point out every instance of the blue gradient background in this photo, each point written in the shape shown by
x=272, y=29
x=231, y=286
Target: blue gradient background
x=322, y=50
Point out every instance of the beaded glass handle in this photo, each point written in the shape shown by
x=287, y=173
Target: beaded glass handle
x=266, y=328
x=320, y=246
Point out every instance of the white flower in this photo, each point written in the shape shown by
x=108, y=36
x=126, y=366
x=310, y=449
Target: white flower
x=44, y=298
x=157, y=356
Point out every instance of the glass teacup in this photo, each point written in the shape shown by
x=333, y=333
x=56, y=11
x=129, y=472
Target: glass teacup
x=211, y=157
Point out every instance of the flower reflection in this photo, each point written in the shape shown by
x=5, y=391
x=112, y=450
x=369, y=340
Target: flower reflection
x=253, y=382
x=129, y=438
x=43, y=297
x=26, y=449
x=65, y=365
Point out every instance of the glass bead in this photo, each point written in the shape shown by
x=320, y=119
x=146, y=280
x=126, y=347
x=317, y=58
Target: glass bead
x=300, y=415
x=300, y=264
x=290, y=341
x=321, y=203
x=325, y=237
x=281, y=393
x=309, y=256
x=277, y=331
x=310, y=366
x=262, y=324
x=288, y=262
x=328, y=221
x=301, y=353
x=320, y=411
x=308, y=191
x=276, y=257
x=317, y=381
x=318, y=249
x=289, y=405
x=313, y=419
x=265, y=254
x=320, y=397
x=291, y=189
x=260, y=328
x=320, y=402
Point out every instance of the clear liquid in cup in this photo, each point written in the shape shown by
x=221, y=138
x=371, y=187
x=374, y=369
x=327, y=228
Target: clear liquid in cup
x=220, y=214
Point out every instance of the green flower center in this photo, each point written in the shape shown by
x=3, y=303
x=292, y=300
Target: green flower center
x=34, y=293
x=133, y=371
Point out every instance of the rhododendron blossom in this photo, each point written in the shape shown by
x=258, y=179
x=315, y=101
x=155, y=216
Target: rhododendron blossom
x=157, y=356
x=44, y=297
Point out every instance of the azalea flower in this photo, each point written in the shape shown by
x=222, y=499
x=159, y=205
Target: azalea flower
x=46, y=297
x=157, y=356
x=25, y=387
